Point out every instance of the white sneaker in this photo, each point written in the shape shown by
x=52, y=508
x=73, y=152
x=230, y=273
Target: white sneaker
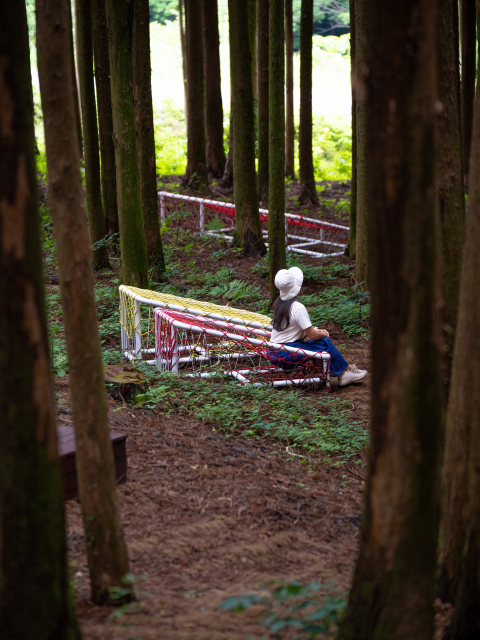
x=355, y=369
x=351, y=377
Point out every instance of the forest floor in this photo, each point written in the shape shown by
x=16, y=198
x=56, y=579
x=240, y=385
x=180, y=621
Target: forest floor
x=221, y=499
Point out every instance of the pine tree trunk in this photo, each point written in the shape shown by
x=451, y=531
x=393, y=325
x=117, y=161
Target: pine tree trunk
x=93, y=192
x=361, y=197
x=308, y=191
x=183, y=44
x=35, y=599
x=468, y=20
x=76, y=101
x=106, y=551
x=464, y=407
x=252, y=36
x=391, y=596
x=105, y=118
x=290, y=125
x=227, y=180
x=352, y=240
x=196, y=173
x=132, y=232
x=145, y=139
x=247, y=219
x=276, y=196
x=452, y=216
x=263, y=109
x=213, y=90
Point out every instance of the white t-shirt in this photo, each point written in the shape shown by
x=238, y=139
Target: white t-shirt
x=299, y=321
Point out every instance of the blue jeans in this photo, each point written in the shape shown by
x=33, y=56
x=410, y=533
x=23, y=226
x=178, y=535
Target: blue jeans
x=338, y=364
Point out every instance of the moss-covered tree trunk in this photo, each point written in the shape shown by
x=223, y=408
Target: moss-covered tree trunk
x=452, y=217
x=308, y=190
x=227, y=180
x=352, y=240
x=183, y=44
x=276, y=196
x=132, y=232
x=247, y=219
x=263, y=110
x=252, y=36
x=391, y=595
x=93, y=191
x=213, y=90
x=76, y=101
x=468, y=21
x=106, y=549
x=290, y=125
x=105, y=117
x=196, y=173
x=35, y=600
x=142, y=92
x=464, y=408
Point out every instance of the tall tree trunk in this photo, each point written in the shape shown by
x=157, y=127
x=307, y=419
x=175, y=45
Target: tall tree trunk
x=35, y=600
x=183, y=44
x=391, y=595
x=263, y=109
x=468, y=19
x=106, y=551
x=105, y=118
x=276, y=196
x=361, y=178
x=142, y=91
x=252, y=36
x=290, y=125
x=352, y=240
x=93, y=191
x=452, y=216
x=247, y=218
x=132, y=232
x=227, y=180
x=464, y=408
x=308, y=191
x=213, y=90
x=76, y=101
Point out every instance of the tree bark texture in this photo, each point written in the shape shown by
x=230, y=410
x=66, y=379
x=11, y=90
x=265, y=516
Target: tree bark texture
x=276, y=196
x=213, y=90
x=361, y=197
x=106, y=549
x=227, y=180
x=132, y=232
x=308, y=190
x=196, y=173
x=464, y=408
x=93, y=191
x=105, y=117
x=263, y=108
x=183, y=44
x=252, y=36
x=247, y=219
x=76, y=101
x=352, y=240
x=452, y=216
x=145, y=139
x=35, y=599
x=290, y=125
x=468, y=21
x=391, y=595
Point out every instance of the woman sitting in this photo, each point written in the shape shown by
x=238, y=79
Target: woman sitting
x=292, y=327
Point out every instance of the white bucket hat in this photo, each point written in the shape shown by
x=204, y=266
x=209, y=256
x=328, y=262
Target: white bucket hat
x=289, y=282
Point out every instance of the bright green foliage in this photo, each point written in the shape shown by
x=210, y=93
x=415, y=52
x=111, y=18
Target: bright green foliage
x=338, y=305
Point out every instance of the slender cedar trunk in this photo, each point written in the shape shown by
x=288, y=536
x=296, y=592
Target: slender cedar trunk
x=132, y=232
x=105, y=118
x=248, y=231
x=252, y=36
x=452, y=217
x=290, y=125
x=142, y=91
x=76, y=101
x=263, y=109
x=106, y=549
x=352, y=241
x=183, y=44
x=93, y=191
x=464, y=408
x=276, y=196
x=213, y=90
x=35, y=600
x=361, y=177
x=227, y=180
x=468, y=20
x=196, y=173
x=391, y=596
x=308, y=191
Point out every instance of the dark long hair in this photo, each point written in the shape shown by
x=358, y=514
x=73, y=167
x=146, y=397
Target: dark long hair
x=281, y=316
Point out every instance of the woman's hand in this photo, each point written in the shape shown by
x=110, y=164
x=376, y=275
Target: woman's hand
x=323, y=333
x=314, y=333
